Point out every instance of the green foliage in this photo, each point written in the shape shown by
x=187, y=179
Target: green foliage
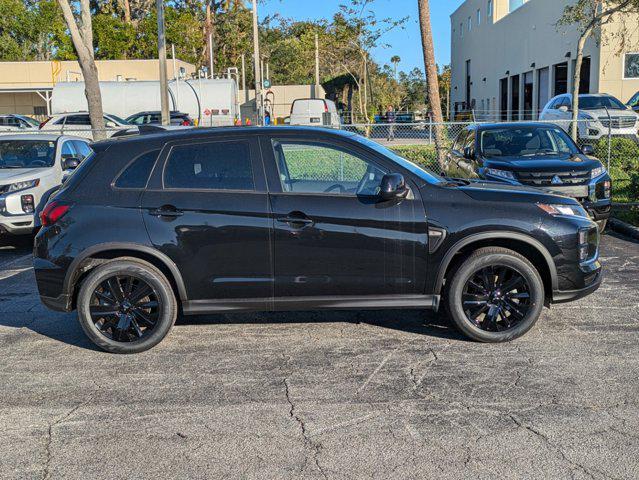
x=624, y=153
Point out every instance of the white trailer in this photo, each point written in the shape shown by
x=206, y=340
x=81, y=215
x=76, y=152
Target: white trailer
x=195, y=97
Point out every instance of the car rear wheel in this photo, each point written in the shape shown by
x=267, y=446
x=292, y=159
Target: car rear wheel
x=126, y=306
x=495, y=295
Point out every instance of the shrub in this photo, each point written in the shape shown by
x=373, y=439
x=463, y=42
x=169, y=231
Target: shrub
x=624, y=152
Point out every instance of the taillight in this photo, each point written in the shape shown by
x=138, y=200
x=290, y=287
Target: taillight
x=325, y=107
x=44, y=123
x=53, y=212
x=186, y=123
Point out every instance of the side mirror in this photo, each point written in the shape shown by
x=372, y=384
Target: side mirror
x=393, y=186
x=70, y=163
x=588, y=150
x=469, y=153
x=563, y=108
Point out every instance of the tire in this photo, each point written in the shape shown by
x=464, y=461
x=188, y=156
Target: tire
x=159, y=305
x=601, y=225
x=516, y=313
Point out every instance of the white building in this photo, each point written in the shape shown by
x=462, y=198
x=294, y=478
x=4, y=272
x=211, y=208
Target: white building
x=509, y=57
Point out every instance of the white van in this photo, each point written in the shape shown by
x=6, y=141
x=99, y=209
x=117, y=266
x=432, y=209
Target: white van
x=316, y=112
x=32, y=166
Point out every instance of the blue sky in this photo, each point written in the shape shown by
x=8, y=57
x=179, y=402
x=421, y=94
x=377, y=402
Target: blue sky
x=406, y=43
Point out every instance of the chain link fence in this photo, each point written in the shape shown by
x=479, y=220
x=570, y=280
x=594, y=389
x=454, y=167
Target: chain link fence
x=417, y=142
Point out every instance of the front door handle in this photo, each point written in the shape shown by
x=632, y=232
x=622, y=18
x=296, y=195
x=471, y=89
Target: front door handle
x=296, y=220
x=168, y=211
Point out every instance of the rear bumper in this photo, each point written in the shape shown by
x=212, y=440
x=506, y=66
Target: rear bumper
x=563, y=296
x=17, y=225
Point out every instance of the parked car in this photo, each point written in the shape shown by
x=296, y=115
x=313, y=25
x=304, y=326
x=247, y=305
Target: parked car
x=634, y=102
x=146, y=129
x=316, y=112
x=17, y=123
x=594, y=110
x=155, y=118
x=285, y=218
x=31, y=167
x=538, y=155
x=78, y=122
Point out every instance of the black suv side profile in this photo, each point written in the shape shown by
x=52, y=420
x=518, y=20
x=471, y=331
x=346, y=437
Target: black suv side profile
x=292, y=218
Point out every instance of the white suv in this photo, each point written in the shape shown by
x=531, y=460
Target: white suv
x=598, y=113
x=78, y=123
x=32, y=166
x=18, y=123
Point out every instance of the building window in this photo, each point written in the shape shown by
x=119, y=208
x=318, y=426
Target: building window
x=489, y=10
x=461, y=30
x=470, y=24
x=478, y=17
x=631, y=65
x=515, y=4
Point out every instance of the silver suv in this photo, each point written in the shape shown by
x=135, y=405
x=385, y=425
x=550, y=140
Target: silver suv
x=599, y=114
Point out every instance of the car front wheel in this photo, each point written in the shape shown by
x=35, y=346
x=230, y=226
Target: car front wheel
x=495, y=295
x=126, y=306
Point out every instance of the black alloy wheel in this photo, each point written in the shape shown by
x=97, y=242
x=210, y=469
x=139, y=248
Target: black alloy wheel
x=126, y=305
x=496, y=298
x=125, y=308
x=494, y=295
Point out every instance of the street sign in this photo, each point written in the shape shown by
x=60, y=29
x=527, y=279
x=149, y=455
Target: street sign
x=207, y=112
x=267, y=84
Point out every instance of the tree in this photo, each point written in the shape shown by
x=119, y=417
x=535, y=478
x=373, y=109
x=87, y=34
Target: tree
x=591, y=16
x=432, y=79
x=81, y=30
x=395, y=60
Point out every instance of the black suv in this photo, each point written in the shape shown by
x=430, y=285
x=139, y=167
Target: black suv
x=286, y=218
x=539, y=155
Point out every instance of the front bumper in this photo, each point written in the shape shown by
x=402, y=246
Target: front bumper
x=563, y=296
x=17, y=224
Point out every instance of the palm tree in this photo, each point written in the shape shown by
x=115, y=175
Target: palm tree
x=432, y=79
x=395, y=60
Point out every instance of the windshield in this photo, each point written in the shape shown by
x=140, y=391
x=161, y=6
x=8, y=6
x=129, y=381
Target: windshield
x=26, y=153
x=525, y=142
x=423, y=173
x=117, y=119
x=30, y=121
x=587, y=102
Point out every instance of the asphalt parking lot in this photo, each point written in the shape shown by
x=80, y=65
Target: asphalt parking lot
x=392, y=394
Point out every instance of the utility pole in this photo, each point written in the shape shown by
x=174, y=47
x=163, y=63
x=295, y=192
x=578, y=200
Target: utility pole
x=211, y=60
x=317, y=67
x=164, y=84
x=257, y=62
x=246, y=95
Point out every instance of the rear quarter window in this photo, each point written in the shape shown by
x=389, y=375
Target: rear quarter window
x=136, y=174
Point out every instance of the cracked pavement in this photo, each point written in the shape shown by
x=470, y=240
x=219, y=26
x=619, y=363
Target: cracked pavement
x=327, y=395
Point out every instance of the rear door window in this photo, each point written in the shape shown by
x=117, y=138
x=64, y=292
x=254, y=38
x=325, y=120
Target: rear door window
x=210, y=166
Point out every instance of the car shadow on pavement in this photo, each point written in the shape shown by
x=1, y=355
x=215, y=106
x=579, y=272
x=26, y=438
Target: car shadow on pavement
x=420, y=322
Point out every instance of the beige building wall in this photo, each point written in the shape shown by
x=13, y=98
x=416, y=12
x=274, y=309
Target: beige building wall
x=611, y=74
x=282, y=96
x=43, y=75
x=524, y=41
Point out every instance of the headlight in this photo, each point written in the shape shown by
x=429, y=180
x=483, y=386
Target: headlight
x=596, y=172
x=14, y=187
x=508, y=175
x=569, y=210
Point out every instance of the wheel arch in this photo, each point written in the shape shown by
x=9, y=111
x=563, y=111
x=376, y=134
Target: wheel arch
x=518, y=242
x=97, y=254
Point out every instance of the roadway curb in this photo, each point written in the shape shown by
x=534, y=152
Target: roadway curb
x=624, y=228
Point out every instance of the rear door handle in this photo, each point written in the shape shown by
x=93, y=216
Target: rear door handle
x=296, y=220
x=166, y=211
